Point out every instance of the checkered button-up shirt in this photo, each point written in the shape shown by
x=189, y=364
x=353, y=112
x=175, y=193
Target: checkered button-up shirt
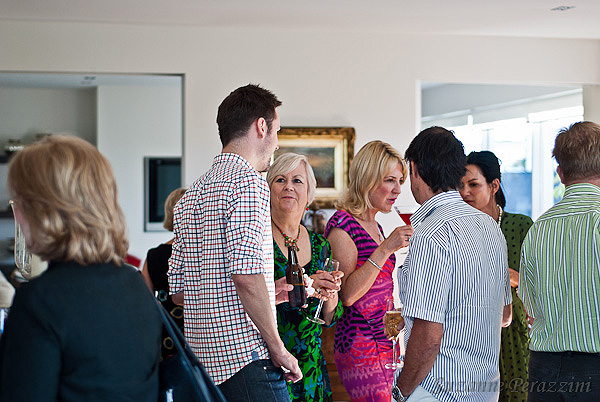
x=222, y=227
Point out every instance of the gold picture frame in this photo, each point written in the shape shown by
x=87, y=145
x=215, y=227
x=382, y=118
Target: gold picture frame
x=329, y=151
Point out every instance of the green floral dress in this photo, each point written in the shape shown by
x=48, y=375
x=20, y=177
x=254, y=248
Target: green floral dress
x=302, y=338
x=514, y=346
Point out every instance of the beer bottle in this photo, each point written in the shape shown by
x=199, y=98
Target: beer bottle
x=294, y=275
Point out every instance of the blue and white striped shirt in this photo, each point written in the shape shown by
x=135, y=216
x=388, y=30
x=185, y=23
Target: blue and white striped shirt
x=456, y=274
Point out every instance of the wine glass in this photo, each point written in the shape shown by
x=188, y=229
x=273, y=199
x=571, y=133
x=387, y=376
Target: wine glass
x=329, y=266
x=404, y=213
x=22, y=254
x=392, y=319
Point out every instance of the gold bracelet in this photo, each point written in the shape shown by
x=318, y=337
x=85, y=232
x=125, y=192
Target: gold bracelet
x=374, y=264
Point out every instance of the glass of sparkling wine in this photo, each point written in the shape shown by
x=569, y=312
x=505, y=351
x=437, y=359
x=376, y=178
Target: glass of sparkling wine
x=329, y=266
x=392, y=320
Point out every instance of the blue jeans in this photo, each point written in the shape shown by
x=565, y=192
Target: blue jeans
x=564, y=376
x=259, y=381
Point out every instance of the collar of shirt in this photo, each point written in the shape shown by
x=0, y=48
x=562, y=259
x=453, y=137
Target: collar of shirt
x=431, y=204
x=232, y=158
x=580, y=189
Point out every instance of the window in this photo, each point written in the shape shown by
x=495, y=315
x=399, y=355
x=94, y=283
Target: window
x=524, y=147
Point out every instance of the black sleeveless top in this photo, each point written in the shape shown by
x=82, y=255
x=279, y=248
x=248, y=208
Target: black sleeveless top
x=157, y=260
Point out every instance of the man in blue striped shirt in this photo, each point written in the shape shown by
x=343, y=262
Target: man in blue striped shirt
x=560, y=277
x=454, y=283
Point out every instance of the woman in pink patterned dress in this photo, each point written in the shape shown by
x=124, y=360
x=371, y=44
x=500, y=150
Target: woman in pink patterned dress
x=361, y=347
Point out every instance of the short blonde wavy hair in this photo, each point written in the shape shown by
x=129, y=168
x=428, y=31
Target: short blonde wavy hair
x=67, y=192
x=289, y=161
x=169, y=205
x=368, y=168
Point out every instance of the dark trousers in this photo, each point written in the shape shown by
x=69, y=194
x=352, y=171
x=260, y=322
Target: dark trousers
x=259, y=381
x=564, y=376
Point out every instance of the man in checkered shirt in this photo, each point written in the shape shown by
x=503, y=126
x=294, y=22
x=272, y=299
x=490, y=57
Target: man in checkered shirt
x=222, y=257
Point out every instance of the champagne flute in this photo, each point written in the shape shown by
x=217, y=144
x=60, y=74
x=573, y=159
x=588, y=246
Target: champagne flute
x=329, y=266
x=22, y=254
x=392, y=319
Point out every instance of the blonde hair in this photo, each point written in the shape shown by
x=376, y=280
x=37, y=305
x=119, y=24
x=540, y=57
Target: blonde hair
x=67, y=193
x=289, y=161
x=169, y=205
x=368, y=168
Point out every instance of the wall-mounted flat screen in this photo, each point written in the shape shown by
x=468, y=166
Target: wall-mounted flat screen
x=162, y=175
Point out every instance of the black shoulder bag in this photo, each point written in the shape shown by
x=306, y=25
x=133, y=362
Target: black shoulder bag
x=182, y=376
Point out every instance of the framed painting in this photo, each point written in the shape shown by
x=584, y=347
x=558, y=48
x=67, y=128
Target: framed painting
x=329, y=151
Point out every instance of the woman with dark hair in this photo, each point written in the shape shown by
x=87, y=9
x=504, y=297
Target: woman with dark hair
x=481, y=189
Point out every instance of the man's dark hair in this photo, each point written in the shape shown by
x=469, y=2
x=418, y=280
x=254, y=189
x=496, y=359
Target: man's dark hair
x=241, y=108
x=439, y=158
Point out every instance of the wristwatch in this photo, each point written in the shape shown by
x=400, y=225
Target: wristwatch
x=397, y=395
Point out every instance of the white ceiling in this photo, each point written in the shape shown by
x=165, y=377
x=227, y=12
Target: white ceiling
x=522, y=18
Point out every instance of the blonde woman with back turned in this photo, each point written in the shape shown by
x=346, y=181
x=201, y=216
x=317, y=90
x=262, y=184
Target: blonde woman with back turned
x=87, y=329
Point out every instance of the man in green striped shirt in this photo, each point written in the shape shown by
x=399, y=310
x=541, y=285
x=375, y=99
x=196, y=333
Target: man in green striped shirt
x=560, y=277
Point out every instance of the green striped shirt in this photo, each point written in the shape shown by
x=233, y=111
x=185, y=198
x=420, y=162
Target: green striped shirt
x=560, y=273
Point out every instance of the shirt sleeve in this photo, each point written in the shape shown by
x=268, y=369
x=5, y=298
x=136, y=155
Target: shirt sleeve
x=245, y=227
x=176, y=261
x=507, y=292
x=428, y=280
x=526, y=288
x=507, y=287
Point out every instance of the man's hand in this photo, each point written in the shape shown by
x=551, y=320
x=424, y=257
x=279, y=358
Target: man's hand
x=288, y=363
x=281, y=290
x=177, y=298
x=507, y=315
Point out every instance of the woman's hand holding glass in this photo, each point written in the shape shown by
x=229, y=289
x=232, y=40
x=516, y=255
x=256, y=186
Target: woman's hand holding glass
x=399, y=238
x=327, y=283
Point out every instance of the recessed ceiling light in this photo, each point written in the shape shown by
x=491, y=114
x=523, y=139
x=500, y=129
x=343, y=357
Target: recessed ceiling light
x=88, y=80
x=562, y=8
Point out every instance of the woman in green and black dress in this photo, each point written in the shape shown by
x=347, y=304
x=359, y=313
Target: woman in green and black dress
x=481, y=189
x=292, y=185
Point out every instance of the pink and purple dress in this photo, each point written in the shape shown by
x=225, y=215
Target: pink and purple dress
x=361, y=348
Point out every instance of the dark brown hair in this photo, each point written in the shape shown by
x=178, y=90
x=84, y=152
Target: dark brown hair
x=241, y=108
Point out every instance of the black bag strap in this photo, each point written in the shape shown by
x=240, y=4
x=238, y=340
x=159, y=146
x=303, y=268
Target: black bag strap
x=205, y=385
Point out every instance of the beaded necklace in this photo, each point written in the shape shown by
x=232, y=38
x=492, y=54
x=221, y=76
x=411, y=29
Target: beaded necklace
x=289, y=242
x=499, y=214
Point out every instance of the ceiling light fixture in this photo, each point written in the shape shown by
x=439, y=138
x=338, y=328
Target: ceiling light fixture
x=562, y=8
x=88, y=80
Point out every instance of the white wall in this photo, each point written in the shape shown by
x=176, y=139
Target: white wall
x=25, y=112
x=134, y=122
x=366, y=80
